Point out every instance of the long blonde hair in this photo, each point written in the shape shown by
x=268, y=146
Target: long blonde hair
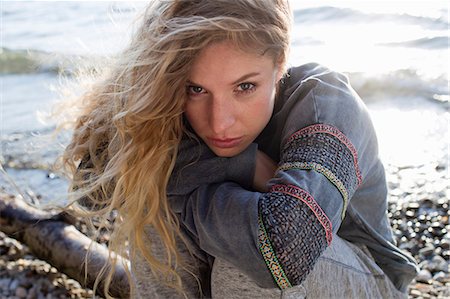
x=128, y=133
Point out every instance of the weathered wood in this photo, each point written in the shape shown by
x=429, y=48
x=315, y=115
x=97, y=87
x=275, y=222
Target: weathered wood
x=60, y=244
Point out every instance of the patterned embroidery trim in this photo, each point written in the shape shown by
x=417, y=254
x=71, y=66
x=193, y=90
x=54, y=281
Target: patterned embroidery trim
x=324, y=171
x=271, y=259
x=328, y=129
x=312, y=204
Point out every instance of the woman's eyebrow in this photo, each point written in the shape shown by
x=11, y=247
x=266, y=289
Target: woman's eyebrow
x=245, y=77
x=192, y=83
x=242, y=78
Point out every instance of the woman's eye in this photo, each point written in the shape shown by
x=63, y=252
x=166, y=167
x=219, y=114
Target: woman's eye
x=195, y=90
x=243, y=87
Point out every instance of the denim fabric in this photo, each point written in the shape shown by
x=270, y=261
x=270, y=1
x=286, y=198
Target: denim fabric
x=149, y=286
x=219, y=210
x=344, y=270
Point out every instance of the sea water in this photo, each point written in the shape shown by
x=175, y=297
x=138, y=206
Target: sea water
x=395, y=53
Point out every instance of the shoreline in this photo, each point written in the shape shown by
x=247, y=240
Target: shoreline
x=417, y=208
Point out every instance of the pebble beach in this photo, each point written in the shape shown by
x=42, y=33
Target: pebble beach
x=419, y=216
x=418, y=210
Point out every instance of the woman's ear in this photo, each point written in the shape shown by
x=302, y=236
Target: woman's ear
x=281, y=69
x=280, y=73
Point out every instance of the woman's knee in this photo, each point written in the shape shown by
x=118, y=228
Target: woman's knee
x=346, y=270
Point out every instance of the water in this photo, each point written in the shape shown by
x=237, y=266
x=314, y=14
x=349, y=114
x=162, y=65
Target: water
x=396, y=54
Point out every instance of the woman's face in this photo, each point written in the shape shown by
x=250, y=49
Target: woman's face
x=230, y=97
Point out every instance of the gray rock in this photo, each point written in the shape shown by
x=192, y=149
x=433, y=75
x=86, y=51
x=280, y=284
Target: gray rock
x=424, y=276
x=21, y=292
x=428, y=250
x=441, y=277
x=32, y=293
x=415, y=293
x=438, y=263
x=446, y=254
x=445, y=244
x=24, y=282
x=13, y=285
x=4, y=283
x=413, y=206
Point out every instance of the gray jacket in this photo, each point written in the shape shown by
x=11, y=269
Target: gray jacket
x=329, y=181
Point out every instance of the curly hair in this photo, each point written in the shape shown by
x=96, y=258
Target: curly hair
x=131, y=122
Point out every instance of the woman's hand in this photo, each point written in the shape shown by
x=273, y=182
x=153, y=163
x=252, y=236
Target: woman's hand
x=264, y=171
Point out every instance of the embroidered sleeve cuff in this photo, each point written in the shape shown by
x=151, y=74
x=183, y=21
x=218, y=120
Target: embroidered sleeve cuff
x=326, y=150
x=293, y=233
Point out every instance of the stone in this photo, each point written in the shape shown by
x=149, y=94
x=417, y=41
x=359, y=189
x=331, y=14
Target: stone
x=424, y=264
x=14, y=285
x=438, y=251
x=428, y=250
x=413, y=206
x=4, y=283
x=21, y=292
x=441, y=277
x=415, y=293
x=446, y=254
x=424, y=276
x=32, y=293
x=440, y=167
x=24, y=282
x=423, y=287
x=426, y=203
x=438, y=263
x=410, y=214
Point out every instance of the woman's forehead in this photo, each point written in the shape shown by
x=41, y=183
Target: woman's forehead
x=226, y=59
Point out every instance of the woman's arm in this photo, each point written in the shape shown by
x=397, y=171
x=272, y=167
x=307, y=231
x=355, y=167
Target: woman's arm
x=274, y=237
x=278, y=235
x=265, y=169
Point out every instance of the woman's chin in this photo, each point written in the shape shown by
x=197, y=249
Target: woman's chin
x=226, y=152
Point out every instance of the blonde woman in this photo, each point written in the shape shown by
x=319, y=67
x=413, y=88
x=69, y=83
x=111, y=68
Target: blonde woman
x=230, y=175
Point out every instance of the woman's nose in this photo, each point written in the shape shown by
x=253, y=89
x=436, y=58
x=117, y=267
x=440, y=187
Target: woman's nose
x=222, y=115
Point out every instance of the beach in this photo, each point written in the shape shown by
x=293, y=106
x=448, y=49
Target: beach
x=396, y=58
x=418, y=210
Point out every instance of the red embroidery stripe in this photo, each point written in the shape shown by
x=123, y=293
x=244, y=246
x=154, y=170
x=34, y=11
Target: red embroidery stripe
x=328, y=129
x=312, y=204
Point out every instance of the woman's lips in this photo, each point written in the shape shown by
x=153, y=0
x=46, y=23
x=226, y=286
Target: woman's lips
x=226, y=142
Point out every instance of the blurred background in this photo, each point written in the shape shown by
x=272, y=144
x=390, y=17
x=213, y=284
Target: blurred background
x=396, y=54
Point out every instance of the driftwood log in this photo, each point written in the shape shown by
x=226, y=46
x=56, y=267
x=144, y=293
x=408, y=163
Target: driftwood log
x=60, y=244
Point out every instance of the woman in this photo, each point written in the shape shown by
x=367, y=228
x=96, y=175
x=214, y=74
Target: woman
x=231, y=176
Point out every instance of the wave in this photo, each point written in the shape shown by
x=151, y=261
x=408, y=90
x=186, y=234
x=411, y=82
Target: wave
x=22, y=61
x=397, y=82
x=323, y=13
x=401, y=83
x=430, y=43
x=36, y=61
x=349, y=15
